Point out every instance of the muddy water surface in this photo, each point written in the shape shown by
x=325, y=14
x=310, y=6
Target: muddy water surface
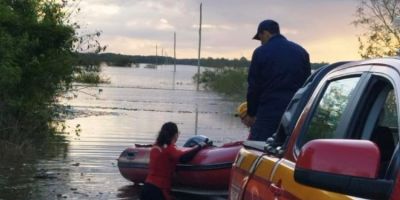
x=106, y=119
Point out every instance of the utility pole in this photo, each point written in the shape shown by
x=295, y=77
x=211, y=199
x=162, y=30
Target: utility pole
x=162, y=56
x=198, y=61
x=174, y=73
x=156, y=56
x=174, y=52
x=198, y=73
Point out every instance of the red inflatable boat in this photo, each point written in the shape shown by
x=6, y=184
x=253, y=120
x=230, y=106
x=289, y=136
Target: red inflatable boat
x=209, y=170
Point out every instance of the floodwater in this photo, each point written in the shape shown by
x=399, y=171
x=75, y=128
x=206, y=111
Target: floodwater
x=106, y=119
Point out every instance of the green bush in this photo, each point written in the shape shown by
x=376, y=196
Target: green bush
x=36, y=65
x=231, y=82
x=90, y=78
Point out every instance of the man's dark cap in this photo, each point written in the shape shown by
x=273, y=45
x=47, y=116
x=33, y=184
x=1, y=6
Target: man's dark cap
x=267, y=25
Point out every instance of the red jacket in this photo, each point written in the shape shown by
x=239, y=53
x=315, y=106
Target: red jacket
x=162, y=165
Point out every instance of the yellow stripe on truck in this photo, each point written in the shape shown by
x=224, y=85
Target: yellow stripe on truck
x=265, y=166
x=246, y=159
x=285, y=173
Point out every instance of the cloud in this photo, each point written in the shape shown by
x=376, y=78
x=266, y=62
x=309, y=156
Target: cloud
x=100, y=10
x=164, y=21
x=286, y=31
x=212, y=27
x=228, y=25
x=164, y=25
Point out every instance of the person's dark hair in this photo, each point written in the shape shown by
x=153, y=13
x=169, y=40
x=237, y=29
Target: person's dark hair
x=167, y=133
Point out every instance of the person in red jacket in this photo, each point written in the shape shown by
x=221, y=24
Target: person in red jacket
x=164, y=155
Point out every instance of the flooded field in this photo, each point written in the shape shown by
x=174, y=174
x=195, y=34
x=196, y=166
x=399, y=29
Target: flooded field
x=107, y=119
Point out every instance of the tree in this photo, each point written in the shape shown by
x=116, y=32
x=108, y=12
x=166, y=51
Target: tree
x=37, y=62
x=382, y=37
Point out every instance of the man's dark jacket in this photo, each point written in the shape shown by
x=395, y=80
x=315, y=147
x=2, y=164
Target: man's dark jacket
x=278, y=69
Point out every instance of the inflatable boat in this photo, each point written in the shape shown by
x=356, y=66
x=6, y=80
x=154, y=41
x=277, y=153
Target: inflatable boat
x=209, y=170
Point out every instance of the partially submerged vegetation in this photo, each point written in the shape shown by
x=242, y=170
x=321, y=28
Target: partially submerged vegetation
x=231, y=81
x=88, y=70
x=90, y=78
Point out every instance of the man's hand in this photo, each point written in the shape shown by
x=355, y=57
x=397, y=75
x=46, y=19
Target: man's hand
x=248, y=120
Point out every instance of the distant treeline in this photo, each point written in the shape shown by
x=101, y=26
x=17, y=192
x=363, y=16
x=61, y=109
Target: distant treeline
x=120, y=60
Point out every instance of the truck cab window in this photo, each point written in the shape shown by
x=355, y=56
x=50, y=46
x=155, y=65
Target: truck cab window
x=385, y=131
x=389, y=116
x=330, y=109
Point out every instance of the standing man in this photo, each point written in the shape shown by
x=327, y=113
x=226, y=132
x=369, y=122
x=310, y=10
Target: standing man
x=278, y=69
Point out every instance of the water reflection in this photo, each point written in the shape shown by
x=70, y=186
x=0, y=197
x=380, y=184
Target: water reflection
x=27, y=176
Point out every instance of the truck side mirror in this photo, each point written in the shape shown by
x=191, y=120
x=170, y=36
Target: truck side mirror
x=341, y=165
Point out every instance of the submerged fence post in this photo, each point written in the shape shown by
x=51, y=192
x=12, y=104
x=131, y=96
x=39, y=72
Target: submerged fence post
x=156, y=56
x=196, y=121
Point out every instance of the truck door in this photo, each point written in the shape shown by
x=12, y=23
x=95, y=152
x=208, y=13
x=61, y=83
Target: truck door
x=329, y=104
x=354, y=107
